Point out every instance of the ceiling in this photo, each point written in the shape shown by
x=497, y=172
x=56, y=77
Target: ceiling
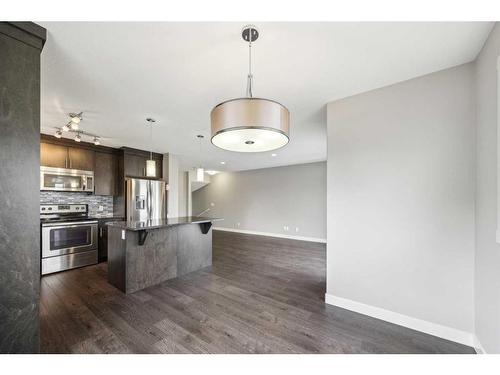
x=120, y=73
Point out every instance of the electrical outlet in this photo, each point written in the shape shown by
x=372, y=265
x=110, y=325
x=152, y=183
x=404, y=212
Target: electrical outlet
x=296, y=229
x=100, y=208
x=286, y=228
x=238, y=225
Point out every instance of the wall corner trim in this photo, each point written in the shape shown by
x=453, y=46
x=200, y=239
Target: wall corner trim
x=478, y=347
x=277, y=235
x=448, y=333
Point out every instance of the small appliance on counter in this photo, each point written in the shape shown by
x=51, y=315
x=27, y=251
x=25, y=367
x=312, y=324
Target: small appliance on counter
x=69, y=237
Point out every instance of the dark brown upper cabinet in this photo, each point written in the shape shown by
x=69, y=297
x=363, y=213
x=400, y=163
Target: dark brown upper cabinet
x=134, y=164
x=66, y=153
x=105, y=173
x=52, y=155
x=80, y=158
x=61, y=156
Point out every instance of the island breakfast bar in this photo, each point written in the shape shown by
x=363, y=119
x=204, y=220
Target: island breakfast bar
x=146, y=253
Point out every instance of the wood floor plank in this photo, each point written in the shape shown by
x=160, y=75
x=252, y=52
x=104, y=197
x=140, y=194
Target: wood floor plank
x=261, y=295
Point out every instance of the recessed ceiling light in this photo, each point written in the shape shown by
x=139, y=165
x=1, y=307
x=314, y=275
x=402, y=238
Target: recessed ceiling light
x=211, y=173
x=78, y=138
x=97, y=142
x=274, y=155
x=223, y=162
x=58, y=134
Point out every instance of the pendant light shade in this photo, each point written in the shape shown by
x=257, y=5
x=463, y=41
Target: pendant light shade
x=200, y=174
x=250, y=124
x=150, y=168
x=151, y=164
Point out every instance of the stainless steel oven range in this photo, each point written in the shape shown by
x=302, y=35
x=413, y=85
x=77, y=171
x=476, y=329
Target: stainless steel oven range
x=69, y=237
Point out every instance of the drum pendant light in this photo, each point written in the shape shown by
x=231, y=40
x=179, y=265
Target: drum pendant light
x=151, y=163
x=250, y=124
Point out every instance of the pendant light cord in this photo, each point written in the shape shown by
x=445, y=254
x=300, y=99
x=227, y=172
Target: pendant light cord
x=250, y=76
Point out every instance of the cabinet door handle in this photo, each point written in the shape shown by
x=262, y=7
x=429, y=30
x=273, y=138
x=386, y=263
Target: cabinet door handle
x=100, y=232
x=143, y=171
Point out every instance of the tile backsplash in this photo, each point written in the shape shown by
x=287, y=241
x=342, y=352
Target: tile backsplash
x=93, y=201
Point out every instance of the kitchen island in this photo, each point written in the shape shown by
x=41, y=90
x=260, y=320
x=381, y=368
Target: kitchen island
x=146, y=253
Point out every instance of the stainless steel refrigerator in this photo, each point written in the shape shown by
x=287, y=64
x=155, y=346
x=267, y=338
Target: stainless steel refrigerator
x=146, y=199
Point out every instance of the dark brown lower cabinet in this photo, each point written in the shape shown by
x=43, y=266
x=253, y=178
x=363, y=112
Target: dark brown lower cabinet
x=102, y=238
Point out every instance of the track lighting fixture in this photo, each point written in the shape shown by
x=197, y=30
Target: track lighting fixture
x=73, y=126
x=76, y=117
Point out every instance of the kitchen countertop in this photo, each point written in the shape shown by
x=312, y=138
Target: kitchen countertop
x=155, y=224
x=104, y=216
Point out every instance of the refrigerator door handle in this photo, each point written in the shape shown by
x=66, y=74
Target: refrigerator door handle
x=150, y=201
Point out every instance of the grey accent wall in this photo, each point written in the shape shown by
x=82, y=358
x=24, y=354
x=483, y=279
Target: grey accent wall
x=183, y=193
x=20, y=46
x=487, y=259
x=93, y=201
x=401, y=198
x=267, y=200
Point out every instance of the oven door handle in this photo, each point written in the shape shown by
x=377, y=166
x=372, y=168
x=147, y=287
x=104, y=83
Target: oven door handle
x=69, y=225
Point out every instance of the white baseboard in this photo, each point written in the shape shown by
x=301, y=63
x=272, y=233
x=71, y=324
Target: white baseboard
x=430, y=328
x=477, y=345
x=299, y=238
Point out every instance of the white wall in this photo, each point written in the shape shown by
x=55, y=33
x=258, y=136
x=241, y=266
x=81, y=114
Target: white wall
x=401, y=199
x=266, y=200
x=487, y=261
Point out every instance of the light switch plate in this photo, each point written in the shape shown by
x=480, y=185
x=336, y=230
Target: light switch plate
x=123, y=234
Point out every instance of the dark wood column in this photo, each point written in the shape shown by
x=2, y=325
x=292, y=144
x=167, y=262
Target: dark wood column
x=20, y=47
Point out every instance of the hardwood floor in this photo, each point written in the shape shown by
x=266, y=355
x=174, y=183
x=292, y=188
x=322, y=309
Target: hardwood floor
x=261, y=295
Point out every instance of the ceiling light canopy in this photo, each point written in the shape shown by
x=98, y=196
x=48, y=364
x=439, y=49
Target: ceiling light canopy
x=250, y=124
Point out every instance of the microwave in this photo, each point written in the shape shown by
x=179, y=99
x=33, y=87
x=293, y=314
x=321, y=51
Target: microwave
x=63, y=179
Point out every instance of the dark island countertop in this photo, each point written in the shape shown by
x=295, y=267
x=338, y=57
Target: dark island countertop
x=161, y=223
